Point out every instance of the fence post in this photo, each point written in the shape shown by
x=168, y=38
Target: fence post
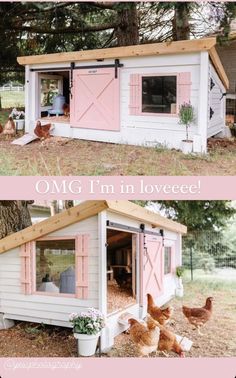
x=0, y=102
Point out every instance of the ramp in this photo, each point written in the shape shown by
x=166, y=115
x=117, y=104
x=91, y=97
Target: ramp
x=25, y=139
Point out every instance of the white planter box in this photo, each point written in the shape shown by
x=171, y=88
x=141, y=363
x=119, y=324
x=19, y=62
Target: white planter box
x=179, y=291
x=87, y=344
x=186, y=146
x=20, y=124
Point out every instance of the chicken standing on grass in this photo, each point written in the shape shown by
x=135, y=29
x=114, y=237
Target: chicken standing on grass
x=9, y=128
x=199, y=316
x=145, y=336
x=162, y=316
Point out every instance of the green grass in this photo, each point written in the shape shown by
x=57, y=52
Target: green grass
x=12, y=99
x=210, y=282
x=4, y=114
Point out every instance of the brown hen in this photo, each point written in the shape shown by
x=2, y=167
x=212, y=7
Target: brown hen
x=1, y=128
x=167, y=340
x=199, y=316
x=66, y=110
x=145, y=336
x=162, y=316
x=10, y=127
x=42, y=132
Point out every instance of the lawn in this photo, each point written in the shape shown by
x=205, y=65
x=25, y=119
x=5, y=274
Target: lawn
x=219, y=339
x=62, y=156
x=12, y=99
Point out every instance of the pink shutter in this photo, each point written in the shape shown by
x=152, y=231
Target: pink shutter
x=184, y=88
x=135, y=94
x=82, y=242
x=26, y=263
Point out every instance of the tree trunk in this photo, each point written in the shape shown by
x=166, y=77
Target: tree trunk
x=127, y=31
x=180, y=23
x=68, y=204
x=14, y=216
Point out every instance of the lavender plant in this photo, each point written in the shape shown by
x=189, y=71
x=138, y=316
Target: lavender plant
x=186, y=116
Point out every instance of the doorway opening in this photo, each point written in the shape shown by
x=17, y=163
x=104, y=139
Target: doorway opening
x=54, y=96
x=121, y=270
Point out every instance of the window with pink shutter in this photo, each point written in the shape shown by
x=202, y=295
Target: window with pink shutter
x=162, y=94
x=56, y=266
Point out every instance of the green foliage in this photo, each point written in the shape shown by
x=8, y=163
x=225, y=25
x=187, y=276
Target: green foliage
x=179, y=271
x=186, y=116
x=199, y=215
x=29, y=28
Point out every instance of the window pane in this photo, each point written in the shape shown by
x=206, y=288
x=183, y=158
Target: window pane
x=55, y=266
x=167, y=260
x=49, y=89
x=159, y=94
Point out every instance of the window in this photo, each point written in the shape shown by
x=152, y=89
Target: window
x=55, y=266
x=167, y=260
x=159, y=94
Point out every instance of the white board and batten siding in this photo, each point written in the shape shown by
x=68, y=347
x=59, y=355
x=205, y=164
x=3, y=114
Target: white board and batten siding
x=216, y=102
x=46, y=308
x=144, y=129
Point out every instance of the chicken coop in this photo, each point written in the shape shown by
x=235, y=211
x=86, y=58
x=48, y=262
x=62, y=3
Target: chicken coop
x=128, y=95
x=102, y=254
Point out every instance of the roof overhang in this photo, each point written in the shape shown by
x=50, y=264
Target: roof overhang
x=152, y=49
x=83, y=211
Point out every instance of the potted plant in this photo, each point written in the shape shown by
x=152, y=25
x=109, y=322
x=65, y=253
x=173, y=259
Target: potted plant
x=179, y=292
x=19, y=118
x=186, y=117
x=87, y=328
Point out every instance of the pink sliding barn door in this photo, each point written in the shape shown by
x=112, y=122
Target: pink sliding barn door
x=152, y=266
x=96, y=99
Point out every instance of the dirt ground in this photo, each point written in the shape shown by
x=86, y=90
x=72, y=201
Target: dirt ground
x=219, y=340
x=62, y=156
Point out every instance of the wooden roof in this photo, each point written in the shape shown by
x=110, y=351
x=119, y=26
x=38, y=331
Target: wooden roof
x=83, y=211
x=152, y=49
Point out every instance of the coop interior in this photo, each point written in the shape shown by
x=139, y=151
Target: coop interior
x=121, y=270
x=54, y=99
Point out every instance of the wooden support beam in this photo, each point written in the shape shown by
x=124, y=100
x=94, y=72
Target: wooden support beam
x=134, y=211
x=118, y=237
x=219, y=67
x=83, y=211
x=57, y=222
x=151, y=49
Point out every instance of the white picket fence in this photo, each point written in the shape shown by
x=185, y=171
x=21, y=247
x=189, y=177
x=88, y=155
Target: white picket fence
x=12, y=88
